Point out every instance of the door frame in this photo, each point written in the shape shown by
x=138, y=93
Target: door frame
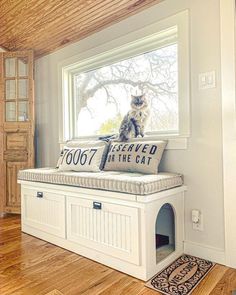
x=228, y=75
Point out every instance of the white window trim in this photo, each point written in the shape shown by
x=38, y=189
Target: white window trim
x=122, y=48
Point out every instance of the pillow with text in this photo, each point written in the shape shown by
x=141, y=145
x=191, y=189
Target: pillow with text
x=86, y=159
x=143, y=157
x=86, y=144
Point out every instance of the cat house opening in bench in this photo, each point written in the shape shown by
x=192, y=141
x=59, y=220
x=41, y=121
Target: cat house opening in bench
x=165, y=232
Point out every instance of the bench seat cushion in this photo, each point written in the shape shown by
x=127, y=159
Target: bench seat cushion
x=125, y=182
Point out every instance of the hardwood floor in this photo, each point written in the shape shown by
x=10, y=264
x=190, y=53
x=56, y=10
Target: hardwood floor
x=29, y=266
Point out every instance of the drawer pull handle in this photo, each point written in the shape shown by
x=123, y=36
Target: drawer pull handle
x=97, y=205
x=39, y=195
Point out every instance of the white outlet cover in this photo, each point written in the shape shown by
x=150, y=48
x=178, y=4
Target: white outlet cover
x=199, y=226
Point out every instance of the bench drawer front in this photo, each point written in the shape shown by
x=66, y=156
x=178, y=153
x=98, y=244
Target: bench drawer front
x=109, y=228
x=44, y=211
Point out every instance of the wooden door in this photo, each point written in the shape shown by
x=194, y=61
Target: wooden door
x=16, y=124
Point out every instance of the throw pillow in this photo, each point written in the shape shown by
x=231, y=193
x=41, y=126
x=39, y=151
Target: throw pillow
x=143, y=157
x=86, y=159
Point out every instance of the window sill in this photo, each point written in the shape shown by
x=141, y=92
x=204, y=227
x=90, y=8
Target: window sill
x=173, y=142
x=178, y=143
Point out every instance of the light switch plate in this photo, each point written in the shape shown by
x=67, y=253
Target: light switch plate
x=207, y=80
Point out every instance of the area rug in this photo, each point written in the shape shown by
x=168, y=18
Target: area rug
x=181, y=277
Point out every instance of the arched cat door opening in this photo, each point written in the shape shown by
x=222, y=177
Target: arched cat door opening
x=165, y=232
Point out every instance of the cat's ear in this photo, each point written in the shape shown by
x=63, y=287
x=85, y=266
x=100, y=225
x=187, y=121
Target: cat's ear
x=143, y=95
x=132, y=96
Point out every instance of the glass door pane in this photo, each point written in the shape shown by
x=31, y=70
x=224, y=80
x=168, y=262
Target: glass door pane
x=17, y=86
x=10, y=67
x=23, y=111
x=23, y=67
x=10, y=86
x=22, y=88
x=10, y=111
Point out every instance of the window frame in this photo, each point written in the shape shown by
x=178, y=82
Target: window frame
x=163, y=33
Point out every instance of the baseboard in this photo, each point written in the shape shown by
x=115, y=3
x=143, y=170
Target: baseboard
x=210, y=253
x=231, y=261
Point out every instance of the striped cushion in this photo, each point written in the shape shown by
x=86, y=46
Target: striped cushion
x=125, y=182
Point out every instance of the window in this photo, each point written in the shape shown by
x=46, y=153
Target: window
x=98, y=89
x=101, y=97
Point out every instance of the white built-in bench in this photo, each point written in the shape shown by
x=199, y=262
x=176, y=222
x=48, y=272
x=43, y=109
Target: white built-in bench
x=109, y=217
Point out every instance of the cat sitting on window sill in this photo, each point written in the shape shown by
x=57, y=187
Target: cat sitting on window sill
x=134, y=122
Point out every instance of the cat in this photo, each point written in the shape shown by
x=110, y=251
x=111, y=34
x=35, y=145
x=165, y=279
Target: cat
x=134, y=122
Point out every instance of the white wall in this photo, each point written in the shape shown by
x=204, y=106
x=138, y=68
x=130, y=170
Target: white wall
x=201, y=163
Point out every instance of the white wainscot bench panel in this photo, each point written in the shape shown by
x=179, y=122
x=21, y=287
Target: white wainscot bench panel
x=44, y=210
x=105, y=227
x=115, y=229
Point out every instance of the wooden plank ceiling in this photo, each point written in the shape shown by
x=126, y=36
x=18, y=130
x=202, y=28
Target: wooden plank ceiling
x=47, y=25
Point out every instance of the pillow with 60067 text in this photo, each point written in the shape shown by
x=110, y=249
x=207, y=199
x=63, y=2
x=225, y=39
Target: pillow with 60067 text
x=143, y=157
x=81, y=159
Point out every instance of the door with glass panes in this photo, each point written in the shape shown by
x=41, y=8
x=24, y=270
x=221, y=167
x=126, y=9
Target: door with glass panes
x=16, y=124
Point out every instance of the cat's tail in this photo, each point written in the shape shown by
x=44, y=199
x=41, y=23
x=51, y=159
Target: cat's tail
x=113, y=137
x=109, y=138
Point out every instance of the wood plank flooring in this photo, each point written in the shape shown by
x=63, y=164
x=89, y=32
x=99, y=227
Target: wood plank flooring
x=29, y=266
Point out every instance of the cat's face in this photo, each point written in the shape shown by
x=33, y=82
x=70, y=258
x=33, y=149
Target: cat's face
x=138, y=101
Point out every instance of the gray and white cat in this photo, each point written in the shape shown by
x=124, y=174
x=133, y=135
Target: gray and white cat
x=134, y=122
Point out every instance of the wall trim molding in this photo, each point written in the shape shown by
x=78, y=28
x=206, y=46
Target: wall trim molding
x=207, y=252
x=228, y=72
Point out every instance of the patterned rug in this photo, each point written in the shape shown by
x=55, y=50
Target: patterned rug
x=182, y=276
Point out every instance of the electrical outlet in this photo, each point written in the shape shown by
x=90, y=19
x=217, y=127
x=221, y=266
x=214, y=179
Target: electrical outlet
x=198, y=225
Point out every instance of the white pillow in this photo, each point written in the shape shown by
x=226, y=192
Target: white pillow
x=91, y=143
x=143, y=157
x=86, y=159
x=86, y=144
